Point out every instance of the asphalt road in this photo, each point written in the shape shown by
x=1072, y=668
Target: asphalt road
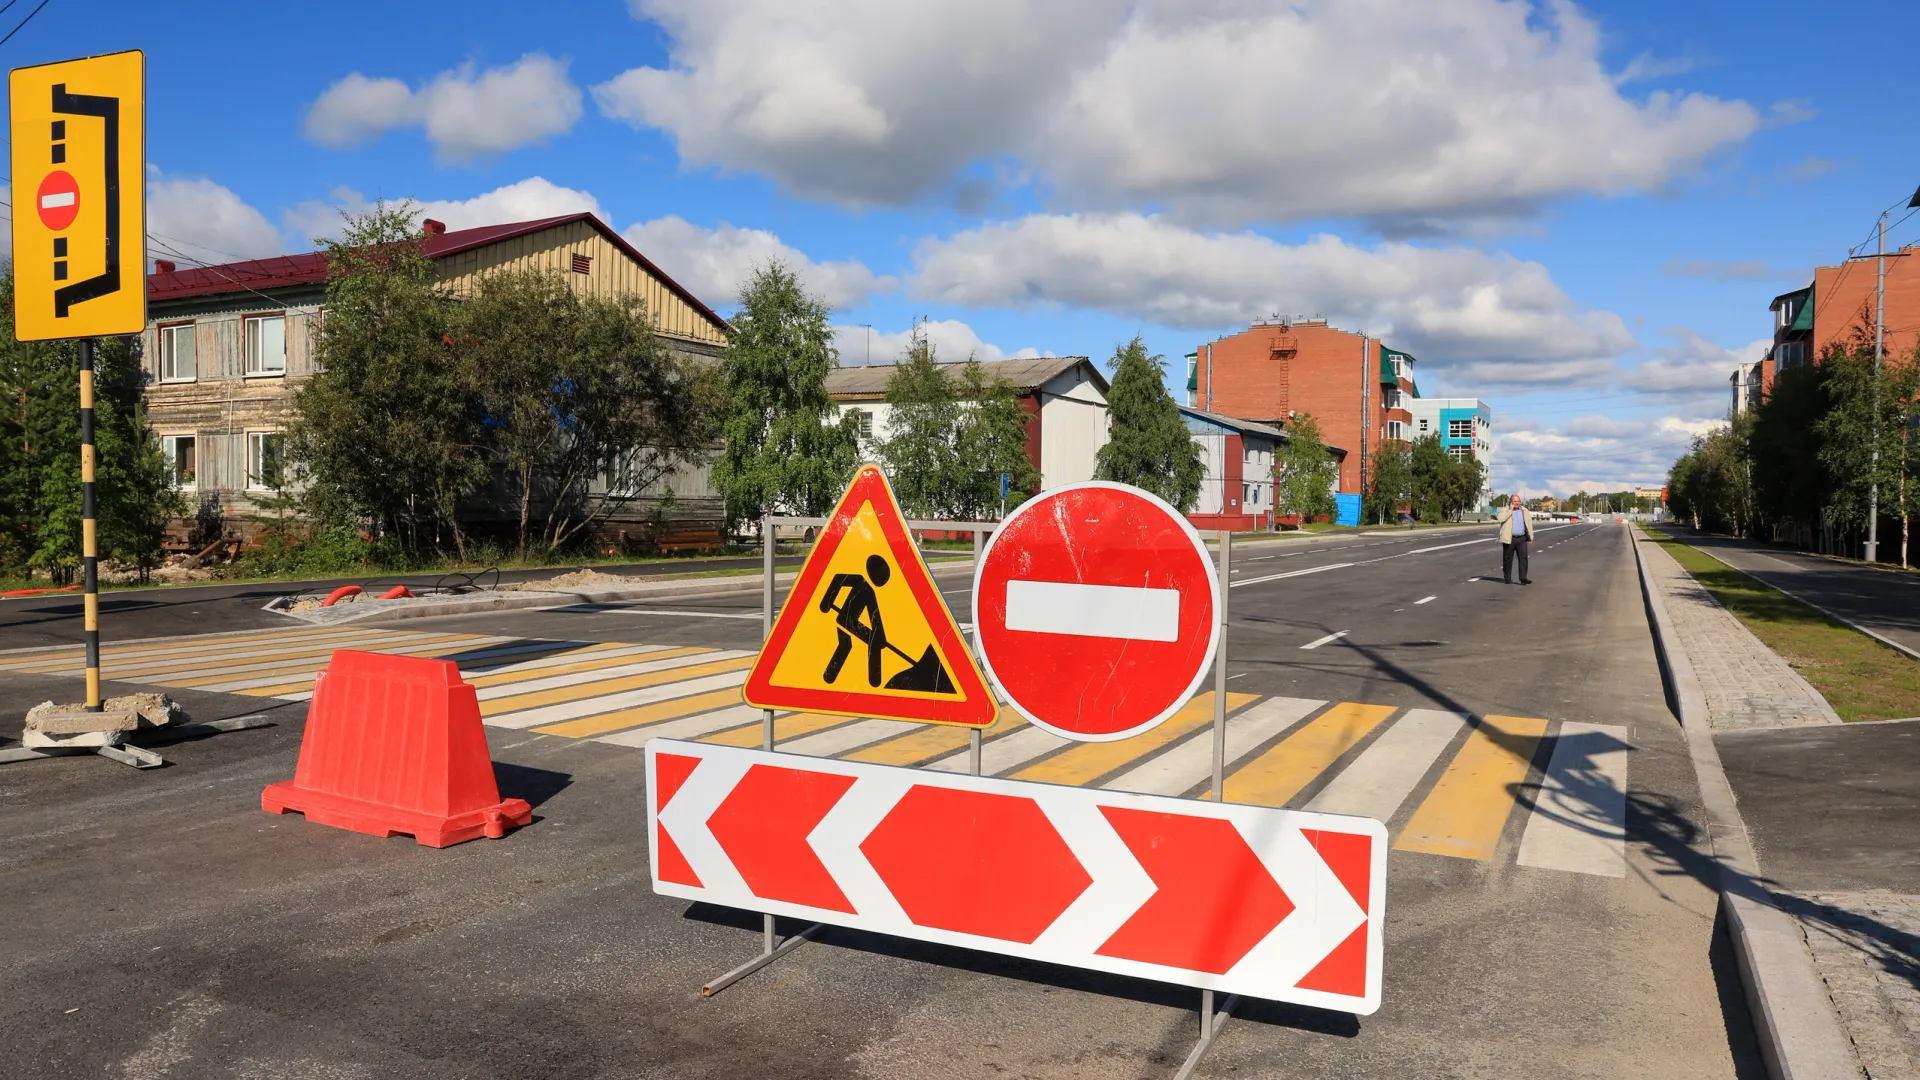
x=1884, y=601
x=161, y=925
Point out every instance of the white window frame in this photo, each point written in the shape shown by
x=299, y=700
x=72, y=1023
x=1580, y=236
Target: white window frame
x=170, y=450
x=163, y=341
x=863, y=419
x=256, y=446
x=254, y=367
x=1465, y=433
x=1394, y=431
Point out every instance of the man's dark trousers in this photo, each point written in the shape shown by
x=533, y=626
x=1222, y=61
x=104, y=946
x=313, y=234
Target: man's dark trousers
x=1509, y=552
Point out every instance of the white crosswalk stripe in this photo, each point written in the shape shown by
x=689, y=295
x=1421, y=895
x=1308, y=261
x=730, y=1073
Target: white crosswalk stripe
x=1579, y=820
x=1372, y=761
x=1386, y=773
x=1180, y=769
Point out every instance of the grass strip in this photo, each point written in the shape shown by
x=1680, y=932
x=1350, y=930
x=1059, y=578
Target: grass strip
x=1861, y=678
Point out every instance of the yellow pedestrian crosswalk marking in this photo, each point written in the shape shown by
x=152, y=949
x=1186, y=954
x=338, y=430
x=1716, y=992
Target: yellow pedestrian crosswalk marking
x=932, y=741
x=609, y=686
x=1278, y=775
x=588, y=662
x=791, y=726
x=1087, y=762
x=125, y=658
x=588, y=726
x=626, y=693
x=1467, y=810
x=297, y=662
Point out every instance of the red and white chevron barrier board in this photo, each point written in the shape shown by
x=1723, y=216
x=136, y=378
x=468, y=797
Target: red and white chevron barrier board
x=1275, y=904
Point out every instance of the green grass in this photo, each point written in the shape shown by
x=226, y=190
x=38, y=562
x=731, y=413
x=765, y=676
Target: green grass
x=1861, y=678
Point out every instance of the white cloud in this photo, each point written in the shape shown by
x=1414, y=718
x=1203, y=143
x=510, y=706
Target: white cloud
x=194, y=219
x=465, y=113
x=1692, y=373
x=1485, y=319
x=715, y=262
x=524, y=200
x=953, y=342
x=1218, y=109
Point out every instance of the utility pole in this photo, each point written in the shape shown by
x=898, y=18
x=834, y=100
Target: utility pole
x=1879, y=335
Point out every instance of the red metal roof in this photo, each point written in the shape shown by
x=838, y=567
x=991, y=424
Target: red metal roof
x=311, y=268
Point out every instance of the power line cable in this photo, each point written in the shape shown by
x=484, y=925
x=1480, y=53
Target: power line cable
x=23, y=22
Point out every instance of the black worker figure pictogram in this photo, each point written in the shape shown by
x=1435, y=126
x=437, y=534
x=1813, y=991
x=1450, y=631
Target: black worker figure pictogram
x=925, y=674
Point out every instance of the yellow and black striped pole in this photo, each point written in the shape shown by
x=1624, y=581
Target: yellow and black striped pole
x=89, y=533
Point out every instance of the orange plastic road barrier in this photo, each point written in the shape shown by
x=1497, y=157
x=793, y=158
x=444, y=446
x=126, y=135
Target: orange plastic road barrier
x=398, y=592
x=394, y=745
x=340, y=594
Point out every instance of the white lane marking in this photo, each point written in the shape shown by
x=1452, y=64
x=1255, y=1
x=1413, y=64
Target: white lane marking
x=1179, y=769
x=684, y=614
x=1579, y=817
x=1004, y=754
x=594, y=706
x=1102, y=611
x=595, y=675
x=847, y=737
x=1264, y=558
x=1423, y=600
x=1317, y=642
x=1382, y=777
x=687, y=727
x=1242, y=675
x=1291, y=573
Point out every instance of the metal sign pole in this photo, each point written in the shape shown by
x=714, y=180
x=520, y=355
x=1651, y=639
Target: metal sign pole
x=973, y=734
x=1210, y=1021
x=766, y=722
x=89, y=529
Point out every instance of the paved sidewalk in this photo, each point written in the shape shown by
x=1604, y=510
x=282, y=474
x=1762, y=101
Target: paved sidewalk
x=1878, y=601
x=1747, y=685
x=1867, y=947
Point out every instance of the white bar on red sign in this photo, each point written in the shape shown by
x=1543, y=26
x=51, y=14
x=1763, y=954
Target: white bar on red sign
x=1109, y=611
x=1284, y=905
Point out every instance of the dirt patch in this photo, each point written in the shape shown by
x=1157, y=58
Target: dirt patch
x=576, y=579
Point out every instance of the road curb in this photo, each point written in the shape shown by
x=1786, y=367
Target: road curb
x=1793, y=1017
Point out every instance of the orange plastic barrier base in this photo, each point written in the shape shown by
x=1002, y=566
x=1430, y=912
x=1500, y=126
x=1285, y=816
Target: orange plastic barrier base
x=394, y=745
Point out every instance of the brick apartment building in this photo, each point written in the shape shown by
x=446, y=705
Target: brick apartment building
x=1840, y=300
x=1353, y=385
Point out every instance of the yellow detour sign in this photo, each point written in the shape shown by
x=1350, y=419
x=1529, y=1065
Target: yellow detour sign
x=79, y=198
x=864, y=632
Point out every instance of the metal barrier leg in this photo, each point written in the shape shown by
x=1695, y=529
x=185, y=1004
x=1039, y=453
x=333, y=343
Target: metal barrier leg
x=1210, y=1024
x=772, y=953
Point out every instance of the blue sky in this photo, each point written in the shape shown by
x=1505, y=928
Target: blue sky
x=1578, y=213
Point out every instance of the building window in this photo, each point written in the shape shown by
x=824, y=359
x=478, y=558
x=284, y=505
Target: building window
x=266, y=460
x=181, y=463
x=267, y=345
x=864, y=421
x=1394, y=400
x=582, y=264
x=1459, y=429
x=176, y=354
x=1395, y=430
x=1423, y=425
x=1460, y=453
x=1789, y=354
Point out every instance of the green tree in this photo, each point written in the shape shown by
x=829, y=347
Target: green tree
x=1305, y=471
x=1864, y=430
x=1461, y=480
x=1783, y=451
x=992, y=440
x=784, y=450
x=40, y=499
x=923, y=419
x=575, y=390
x=1428, y=466
x=1151, y=447
x=1391, y=484
x=388, y=432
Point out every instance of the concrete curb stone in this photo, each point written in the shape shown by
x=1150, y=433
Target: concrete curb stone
x=1793, y=1016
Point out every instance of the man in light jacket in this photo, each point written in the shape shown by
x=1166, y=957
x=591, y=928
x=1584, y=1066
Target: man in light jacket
x=1516, y=535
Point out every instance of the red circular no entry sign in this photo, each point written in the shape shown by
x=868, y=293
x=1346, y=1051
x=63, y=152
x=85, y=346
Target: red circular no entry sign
x=1095, y=610
x=58, y=200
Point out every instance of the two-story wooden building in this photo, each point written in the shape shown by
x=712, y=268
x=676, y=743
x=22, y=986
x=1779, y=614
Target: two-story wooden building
x=227, y=347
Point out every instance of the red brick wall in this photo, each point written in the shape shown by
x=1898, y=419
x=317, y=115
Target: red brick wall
x=1245, y=376
x=1843, y=299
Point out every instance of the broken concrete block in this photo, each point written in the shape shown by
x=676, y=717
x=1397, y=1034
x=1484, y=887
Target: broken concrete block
x=155, y=710
x=50, y=719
